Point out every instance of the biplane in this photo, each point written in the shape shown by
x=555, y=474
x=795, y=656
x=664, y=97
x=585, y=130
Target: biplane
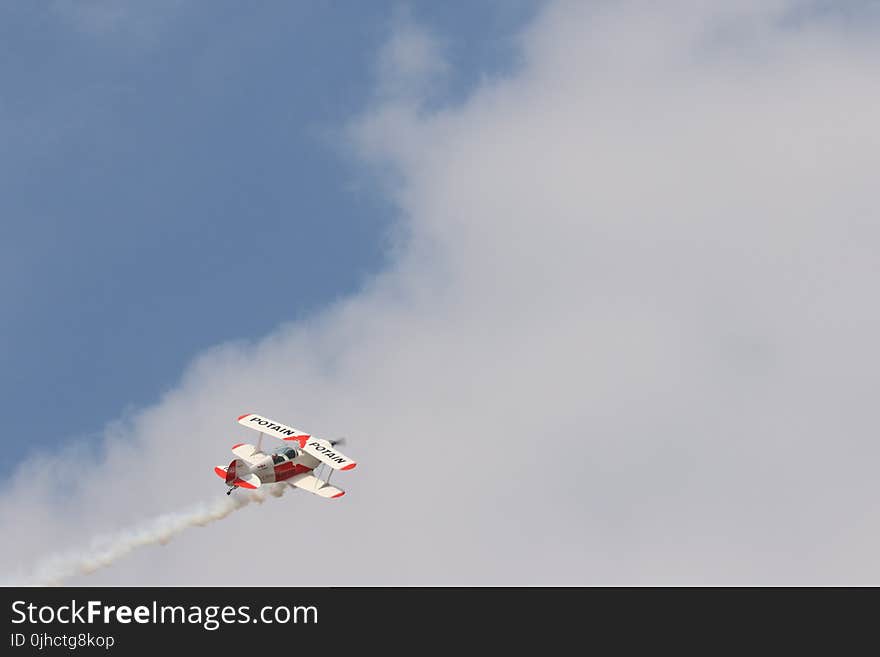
x=297, y=461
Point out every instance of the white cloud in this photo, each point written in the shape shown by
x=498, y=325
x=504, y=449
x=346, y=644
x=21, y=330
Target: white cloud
x=411, y=62
x=631, y=337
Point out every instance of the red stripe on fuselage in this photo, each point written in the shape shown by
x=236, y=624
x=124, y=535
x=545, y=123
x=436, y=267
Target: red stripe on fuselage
x=287, y=470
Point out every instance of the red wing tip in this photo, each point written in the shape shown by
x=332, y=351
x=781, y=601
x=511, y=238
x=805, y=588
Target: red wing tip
x=245, y=415
x=340, y=494
x=350, y=466
x=220, y=472
x=237, y=446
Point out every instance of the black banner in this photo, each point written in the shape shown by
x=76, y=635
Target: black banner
x=263, y=620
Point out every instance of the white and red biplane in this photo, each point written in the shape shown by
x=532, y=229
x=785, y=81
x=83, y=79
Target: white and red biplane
x=295, y=462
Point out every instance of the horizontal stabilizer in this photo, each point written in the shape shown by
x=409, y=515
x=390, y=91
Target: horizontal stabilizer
x=250, y=480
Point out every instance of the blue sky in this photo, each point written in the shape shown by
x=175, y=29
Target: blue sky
x=164, y=173
x=639, y=258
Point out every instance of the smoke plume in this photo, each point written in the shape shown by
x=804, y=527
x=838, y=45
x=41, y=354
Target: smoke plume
x=105, y=550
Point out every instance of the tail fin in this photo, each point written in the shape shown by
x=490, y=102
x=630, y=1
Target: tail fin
x=238, y=475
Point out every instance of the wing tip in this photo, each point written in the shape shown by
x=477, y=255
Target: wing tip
x=245, y=415
x=339, y=494
x=350, y=466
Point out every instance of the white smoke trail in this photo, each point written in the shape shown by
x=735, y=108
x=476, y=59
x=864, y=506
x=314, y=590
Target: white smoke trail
x=105, y=550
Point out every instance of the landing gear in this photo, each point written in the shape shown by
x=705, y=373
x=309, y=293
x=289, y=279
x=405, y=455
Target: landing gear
x=229, y=492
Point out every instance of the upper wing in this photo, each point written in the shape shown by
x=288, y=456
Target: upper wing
x=325, y=452
x=272, y=428
x=247, y=453
x=318, y=447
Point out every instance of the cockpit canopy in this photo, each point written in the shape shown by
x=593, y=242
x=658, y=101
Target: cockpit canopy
x=284, y=453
